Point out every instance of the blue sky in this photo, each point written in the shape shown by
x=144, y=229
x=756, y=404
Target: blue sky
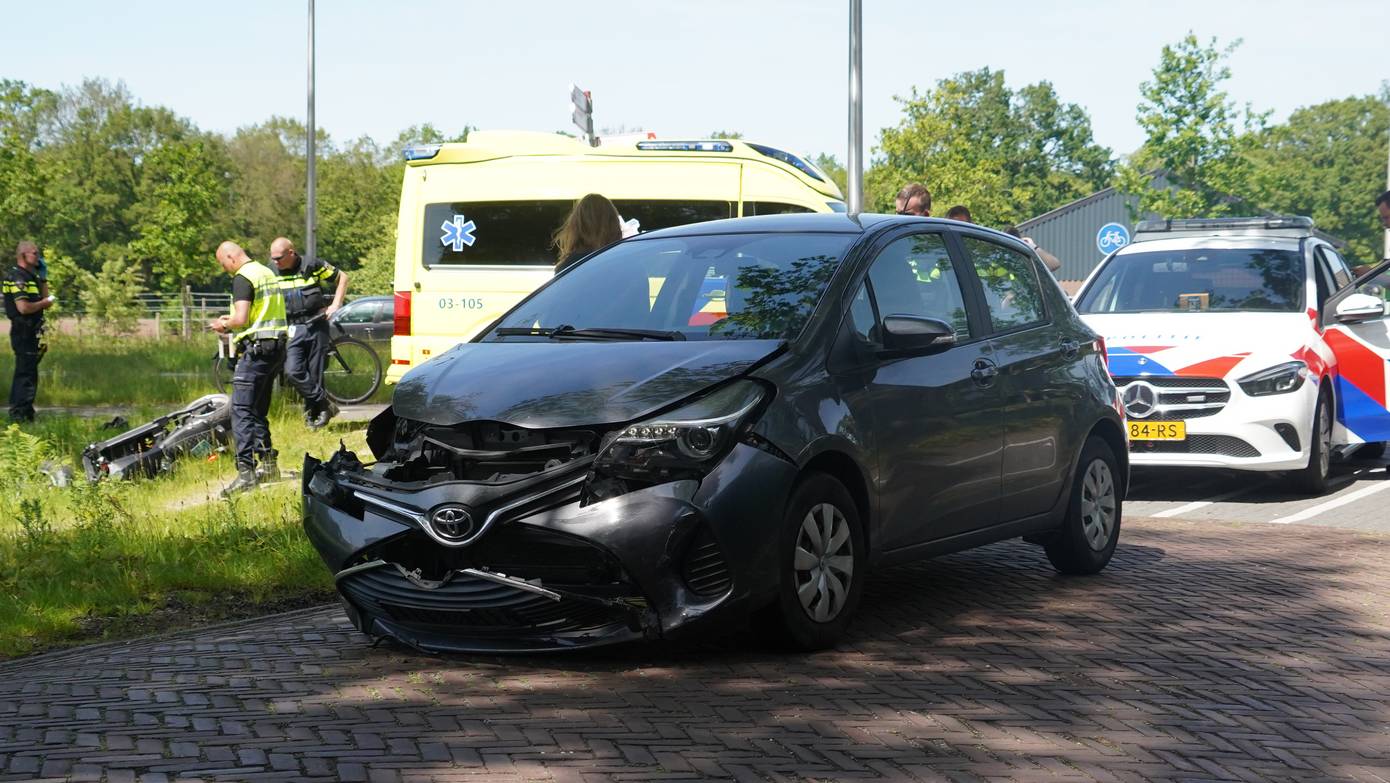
x=773, y=69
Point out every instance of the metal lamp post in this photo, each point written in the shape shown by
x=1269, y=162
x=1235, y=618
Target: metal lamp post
x=855, y=160
x=310, y=201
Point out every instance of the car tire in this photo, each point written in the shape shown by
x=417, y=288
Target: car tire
x=1312, y=480
x=1086, y=541
x=818, y=586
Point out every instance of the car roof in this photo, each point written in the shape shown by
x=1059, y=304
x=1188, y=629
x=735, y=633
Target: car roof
x=1213, y=242
x=805, y=222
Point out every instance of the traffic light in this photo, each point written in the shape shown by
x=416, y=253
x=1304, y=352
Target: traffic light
x=584, y=113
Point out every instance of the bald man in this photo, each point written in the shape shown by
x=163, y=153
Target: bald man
x=301, y=282
x=258, y=325
x=26, y=297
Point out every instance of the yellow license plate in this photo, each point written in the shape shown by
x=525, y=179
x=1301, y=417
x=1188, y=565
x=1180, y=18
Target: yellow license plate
x=1158, y=430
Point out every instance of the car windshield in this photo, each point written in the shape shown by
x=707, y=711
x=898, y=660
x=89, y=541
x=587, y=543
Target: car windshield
x=1198, y=280
x=707, y=287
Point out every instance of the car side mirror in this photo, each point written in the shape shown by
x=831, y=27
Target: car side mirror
x=1360, y=307
x=912, y=333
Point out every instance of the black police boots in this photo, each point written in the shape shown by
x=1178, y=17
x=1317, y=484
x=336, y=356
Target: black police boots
x=245, y=479
x=269, y=469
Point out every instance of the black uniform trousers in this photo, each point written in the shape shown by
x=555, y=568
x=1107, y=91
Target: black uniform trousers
x=251, y=386
x=25, y=340
x=305, y=356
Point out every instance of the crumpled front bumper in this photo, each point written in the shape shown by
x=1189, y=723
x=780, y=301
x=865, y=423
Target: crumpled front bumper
x=553, y=573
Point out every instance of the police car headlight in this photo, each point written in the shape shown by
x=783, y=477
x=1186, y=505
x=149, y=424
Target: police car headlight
x=688, y=440
x=1279, y=379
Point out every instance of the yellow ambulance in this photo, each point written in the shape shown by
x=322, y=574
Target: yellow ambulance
x=476, y=218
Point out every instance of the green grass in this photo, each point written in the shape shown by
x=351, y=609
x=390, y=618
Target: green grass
x=113, y=559
x=94, y=371
x=90, y=371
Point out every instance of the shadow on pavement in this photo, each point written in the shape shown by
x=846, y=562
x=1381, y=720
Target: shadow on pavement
x=1208, y=652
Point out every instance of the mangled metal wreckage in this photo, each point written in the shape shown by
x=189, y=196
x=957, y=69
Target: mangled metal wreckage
x=589, y=513
x=199, y=429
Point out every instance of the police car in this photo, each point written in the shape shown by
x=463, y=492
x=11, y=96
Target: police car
x=1243, y=343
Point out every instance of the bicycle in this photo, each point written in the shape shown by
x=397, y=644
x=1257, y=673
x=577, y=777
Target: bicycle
x=351, y=371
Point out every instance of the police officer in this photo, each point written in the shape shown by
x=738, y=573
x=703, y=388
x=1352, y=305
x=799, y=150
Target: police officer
x=258, y=324
x=26, y=297
x=301, y=282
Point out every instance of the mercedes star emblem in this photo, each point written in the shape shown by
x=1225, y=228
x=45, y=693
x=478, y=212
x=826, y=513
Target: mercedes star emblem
x=1140, y=399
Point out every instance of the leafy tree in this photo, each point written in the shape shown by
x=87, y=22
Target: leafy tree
x=724, y=134
x=183, y=195
x=354, y=191
x=91, y=165
x=1327, y=162
x=24, y=113
x=109, y=296
x=832, y=168
x=1008, y=155
x=1193, y=138
x=268, y=183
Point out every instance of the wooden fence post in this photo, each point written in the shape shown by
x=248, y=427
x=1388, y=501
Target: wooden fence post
x=187, y=312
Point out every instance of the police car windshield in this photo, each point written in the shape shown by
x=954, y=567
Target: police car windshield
x=711, y=287
x=1198, y=280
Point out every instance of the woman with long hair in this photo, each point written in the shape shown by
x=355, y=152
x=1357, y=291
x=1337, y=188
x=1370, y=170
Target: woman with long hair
x=592, y=224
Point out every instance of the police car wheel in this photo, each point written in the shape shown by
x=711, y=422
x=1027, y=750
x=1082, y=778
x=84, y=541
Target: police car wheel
x=1086, y=541
x=1312, y=480
x=821, y=563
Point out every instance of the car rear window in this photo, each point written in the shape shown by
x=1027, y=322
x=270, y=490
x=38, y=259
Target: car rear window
x=708, y=287
x=518, y=233
x=1198, y=280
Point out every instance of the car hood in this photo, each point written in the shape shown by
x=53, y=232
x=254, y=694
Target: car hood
x=1205, y=345
x=566, y=384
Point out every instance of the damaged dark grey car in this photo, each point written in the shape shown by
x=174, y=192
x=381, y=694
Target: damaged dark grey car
x=731, y=419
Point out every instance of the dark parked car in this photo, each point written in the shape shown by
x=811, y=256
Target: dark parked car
x=369, y=319
x=635, y=451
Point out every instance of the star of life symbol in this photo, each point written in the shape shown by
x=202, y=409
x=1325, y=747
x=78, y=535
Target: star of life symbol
x=457, y=233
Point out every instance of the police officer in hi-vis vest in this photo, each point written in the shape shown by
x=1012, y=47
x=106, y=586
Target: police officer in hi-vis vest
x=26, y=297
x=308, y=308
x=258, y=325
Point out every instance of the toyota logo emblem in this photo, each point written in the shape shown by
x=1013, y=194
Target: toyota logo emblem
x=1140, y=399
x=452, y=522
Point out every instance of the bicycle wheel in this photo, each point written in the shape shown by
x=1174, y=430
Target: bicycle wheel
x=222, y=373
x=352, y=373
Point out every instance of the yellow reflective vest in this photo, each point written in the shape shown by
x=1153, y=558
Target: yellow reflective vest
x=267, y=318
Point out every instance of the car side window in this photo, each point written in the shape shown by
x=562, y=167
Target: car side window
x=1323, y=278
x=914, y=276
x=1010, y=282
x=861, y=315
x=360, y=313
x=1378, y=286
x=1341, y=275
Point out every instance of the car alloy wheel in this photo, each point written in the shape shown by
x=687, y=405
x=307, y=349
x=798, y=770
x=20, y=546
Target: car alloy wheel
x=1086, y=540
x=1324, y=436
x=1098, y=504
x=824, y=562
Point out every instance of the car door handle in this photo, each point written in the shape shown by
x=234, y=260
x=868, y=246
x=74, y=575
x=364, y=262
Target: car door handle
x=984, y=372
x=1070, y=348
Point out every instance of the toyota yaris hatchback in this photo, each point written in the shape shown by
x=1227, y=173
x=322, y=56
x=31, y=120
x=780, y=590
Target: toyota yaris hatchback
x=736, y=418
x=1243, y=343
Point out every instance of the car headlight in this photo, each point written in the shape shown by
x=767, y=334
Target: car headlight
x=690, y=439
x=1279, y=379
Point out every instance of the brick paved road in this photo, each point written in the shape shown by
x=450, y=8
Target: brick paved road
x=1215, y=652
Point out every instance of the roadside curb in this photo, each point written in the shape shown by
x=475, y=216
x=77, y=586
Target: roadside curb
x=20, y=664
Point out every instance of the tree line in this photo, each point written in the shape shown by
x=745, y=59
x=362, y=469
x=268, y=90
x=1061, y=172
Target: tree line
x=125, y=197
x=1012, y=154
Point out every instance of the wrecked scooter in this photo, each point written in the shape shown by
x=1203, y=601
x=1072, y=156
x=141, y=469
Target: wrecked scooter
x=200, y=428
